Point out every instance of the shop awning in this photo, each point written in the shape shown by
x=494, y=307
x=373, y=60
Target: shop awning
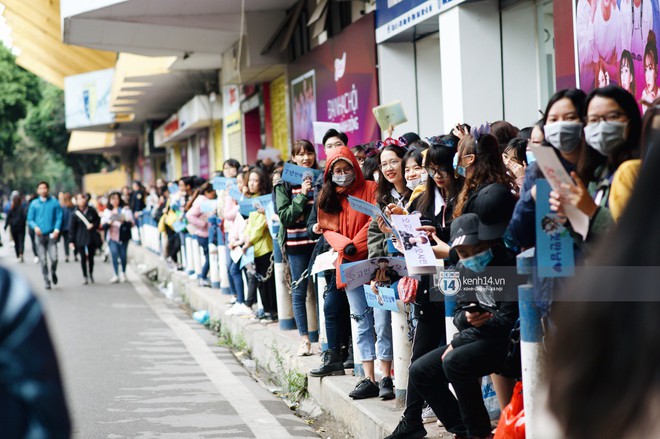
x=89, y=142
x=36, y=33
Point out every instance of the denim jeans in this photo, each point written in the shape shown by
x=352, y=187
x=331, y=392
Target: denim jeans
x=336, y=311
x=204, y=244
x=118, y=250
x=365, y=317
x=298, y=263
x=47, y=247
x=235, y=278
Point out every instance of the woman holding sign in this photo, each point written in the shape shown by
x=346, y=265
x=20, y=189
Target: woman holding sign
x=257, y=235
x=200, y=221
x=346, y=231
x=294, y=204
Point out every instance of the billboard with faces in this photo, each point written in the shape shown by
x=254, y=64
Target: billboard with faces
x=337, y=82
x=617, y=43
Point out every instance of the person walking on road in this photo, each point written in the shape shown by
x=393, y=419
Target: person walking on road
x=84, y=236
x=16, y=221
x=45, y=218
x=118, y=220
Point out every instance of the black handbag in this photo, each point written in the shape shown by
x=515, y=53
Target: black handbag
x=125, y=231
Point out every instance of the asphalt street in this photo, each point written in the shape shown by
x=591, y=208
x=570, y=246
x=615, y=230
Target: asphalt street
x=137, y=366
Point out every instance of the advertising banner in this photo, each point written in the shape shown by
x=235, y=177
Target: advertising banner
x=337, y=82
x=395, y=16
x=87, y=99
x=617, y=44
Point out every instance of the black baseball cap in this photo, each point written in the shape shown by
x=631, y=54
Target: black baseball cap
x=494, y=206
x=465, y=230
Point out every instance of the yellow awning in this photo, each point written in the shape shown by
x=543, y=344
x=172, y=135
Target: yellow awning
x=36, y=32
x=89, y=141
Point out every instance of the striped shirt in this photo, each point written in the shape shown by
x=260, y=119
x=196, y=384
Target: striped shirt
x=296, y=236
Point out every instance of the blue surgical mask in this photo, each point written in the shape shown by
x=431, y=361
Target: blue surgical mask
x=530, y=157
x=478, y=262
x=460, y=170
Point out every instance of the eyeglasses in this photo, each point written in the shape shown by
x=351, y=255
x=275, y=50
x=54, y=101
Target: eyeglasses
x=330, y=146
x=612, y=116
x=433, y=172
x=345, y=171
x=390, y=165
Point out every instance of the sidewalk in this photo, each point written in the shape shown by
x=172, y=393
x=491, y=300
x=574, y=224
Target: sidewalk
x=370, y=418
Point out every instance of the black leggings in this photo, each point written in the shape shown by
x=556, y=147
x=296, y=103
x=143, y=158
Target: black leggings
x=18, y=234
x=267, y=287
x=86, y=259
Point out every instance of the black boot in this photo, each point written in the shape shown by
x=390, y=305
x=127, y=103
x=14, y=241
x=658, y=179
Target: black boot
x=348, y=362
x=331, y=365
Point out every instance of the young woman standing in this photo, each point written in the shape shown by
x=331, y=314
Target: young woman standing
x=85, y=238
x=294, y=205
x=118, y=220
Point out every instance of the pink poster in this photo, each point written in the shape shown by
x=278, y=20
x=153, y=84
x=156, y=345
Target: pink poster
x=337, y=82
x=617, y=44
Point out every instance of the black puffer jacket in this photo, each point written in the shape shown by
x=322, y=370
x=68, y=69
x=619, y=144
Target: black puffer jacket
x=80, y=235
x=505, y=311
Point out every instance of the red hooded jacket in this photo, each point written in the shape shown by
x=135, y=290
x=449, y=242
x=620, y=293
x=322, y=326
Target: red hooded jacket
x=348, y=226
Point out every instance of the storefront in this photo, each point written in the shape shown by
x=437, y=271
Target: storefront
x=191, y=139
x=465, y=61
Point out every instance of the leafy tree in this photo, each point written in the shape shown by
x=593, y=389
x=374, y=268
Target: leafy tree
x=19, y=89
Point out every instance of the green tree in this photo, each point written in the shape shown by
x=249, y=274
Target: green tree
x=19, y=90
x=45, y=125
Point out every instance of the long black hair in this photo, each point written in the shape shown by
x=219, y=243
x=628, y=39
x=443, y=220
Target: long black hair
x=384, y=195
x=575, y=95
x=442, y=157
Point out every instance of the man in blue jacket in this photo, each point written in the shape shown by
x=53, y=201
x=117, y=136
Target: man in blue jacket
x=45, y=218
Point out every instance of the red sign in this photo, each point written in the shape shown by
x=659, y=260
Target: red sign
x=171, y=126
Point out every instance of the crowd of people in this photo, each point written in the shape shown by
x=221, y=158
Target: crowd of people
x=475, y=192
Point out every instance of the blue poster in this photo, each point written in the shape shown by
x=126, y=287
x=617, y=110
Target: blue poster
x=222, y=183
x=297, y=174
x=385, y=299
x=554, y=244
x=248, y=205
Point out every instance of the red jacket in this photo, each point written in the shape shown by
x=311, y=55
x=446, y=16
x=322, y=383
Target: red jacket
x=348, y=226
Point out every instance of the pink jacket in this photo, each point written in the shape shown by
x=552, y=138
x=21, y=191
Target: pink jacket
x=197, y=218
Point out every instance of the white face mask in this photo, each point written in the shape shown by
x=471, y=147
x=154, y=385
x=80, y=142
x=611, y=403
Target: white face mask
x=412, y=184
x=564, y=136
x=605, y=137
x=376, y=175
x=343, y=180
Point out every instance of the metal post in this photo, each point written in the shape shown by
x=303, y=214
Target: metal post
x=197, y=257
x=222, y=260
x=320, y=290
x=284, y=304
x=190, y=259
x=402, y=353
x=531, y=338
x=213, y=253
x=312, y=320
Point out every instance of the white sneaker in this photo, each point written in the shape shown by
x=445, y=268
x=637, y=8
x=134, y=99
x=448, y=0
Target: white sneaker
x=36, y=259
x=114, y=279
x=232, y=310
x=243, y=310
x=233, y=300
x=428, y=415
x=122, y=277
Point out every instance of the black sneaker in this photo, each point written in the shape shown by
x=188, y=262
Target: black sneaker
x=386, y=389
x=408, y=430
x=365, y=389
x=54, y=278
x=91, y=278
x=48, y=286
x=85, y=281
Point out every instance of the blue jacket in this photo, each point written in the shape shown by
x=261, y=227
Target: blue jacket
x=522, y=225
x=47, y=215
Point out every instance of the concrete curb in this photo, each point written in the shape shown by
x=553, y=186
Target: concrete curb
x=370, y=418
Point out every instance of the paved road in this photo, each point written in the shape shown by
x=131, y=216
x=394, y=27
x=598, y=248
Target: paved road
x=136, y=366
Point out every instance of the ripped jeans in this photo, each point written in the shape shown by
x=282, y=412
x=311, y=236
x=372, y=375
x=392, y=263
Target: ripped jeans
x=373, y=342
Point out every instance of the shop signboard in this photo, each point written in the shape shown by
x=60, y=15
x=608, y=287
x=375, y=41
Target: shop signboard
x=395, y=16
x=337, y=82
x=617, y=44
